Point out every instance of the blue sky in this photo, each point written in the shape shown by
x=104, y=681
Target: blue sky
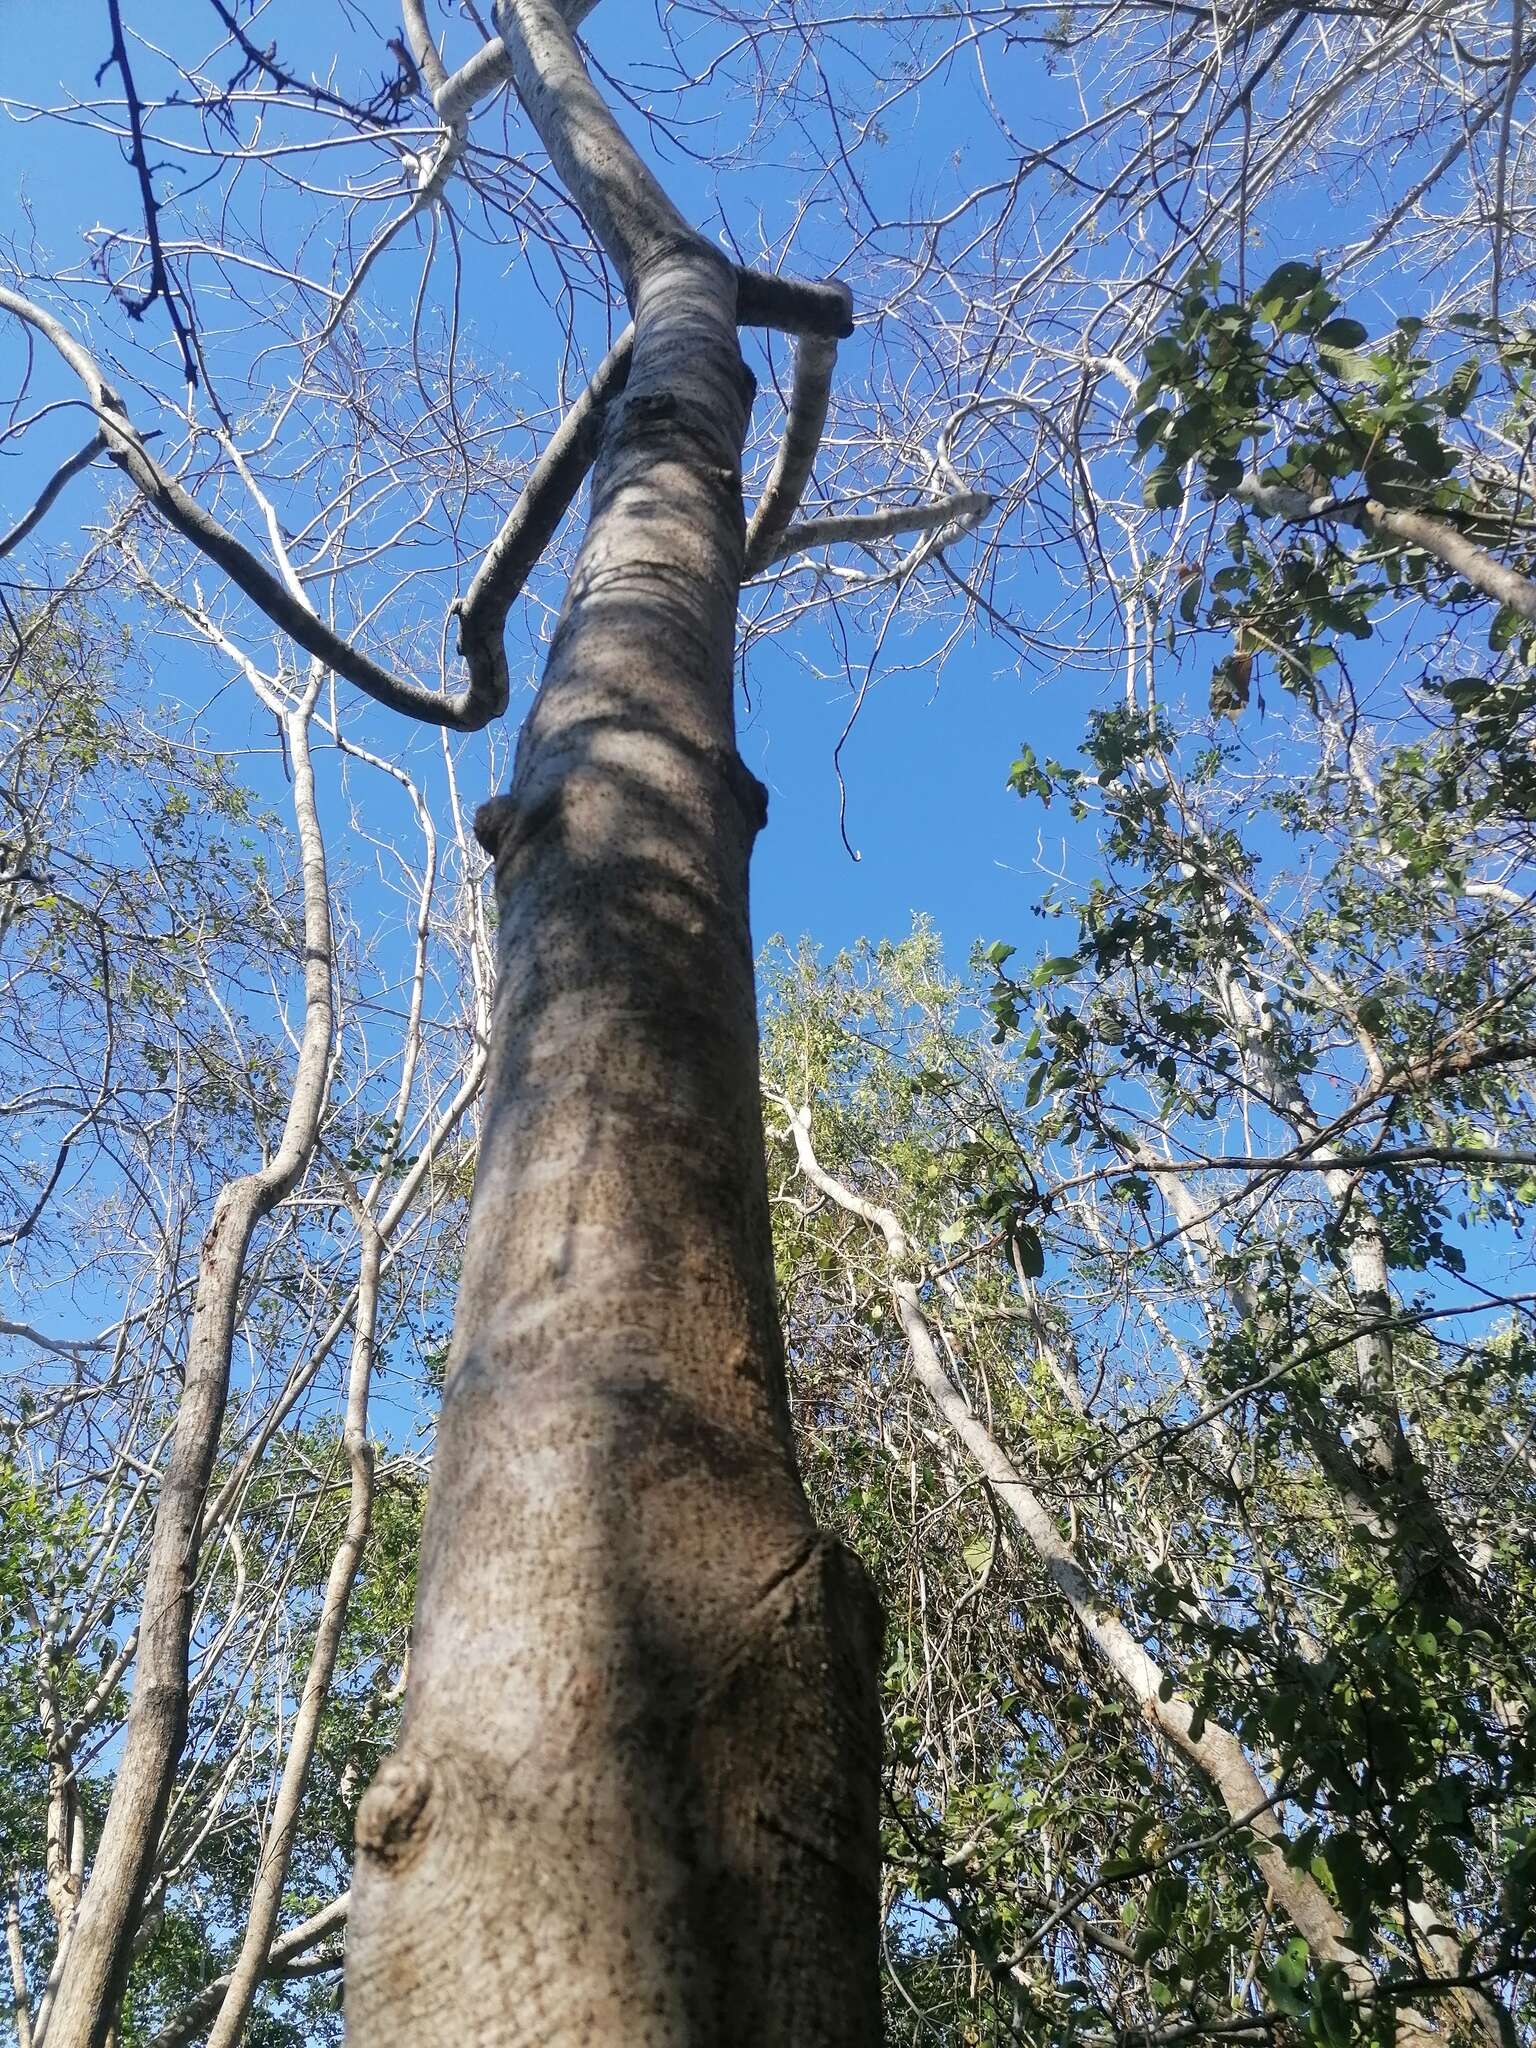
x=926, y=762
x=925, y=765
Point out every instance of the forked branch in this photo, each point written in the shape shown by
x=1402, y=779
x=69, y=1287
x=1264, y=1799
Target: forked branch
x=810, y=394
x=628, y=212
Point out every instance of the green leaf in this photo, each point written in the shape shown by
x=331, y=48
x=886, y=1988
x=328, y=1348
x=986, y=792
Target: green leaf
x=1290, y=1966
x=1350, y=366
x=1461, y=390
x=1223, y=474
x=1506, y=624
x=1287, y=287
x=1423, y=447
x=1162, y=490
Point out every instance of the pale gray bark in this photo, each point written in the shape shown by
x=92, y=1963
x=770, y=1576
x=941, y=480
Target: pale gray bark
x=21, y=2004
x=962, y=511
x=1213, y=1750
x=254, y=1960
x=99, y=1947
x=635, y=1795
x=1450, y=547
x=810, y=393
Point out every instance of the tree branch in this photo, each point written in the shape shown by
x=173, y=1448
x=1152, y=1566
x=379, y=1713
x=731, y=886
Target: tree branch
x=466, y=711
x=529, y=527
x=289, y=1956
x=161, y=284
x=265, y=63
x=962, y=512
x=1437, y=537
x=61, y=1347
x=630, y=215
x=424, y=49
x=794, y=305
x=815, y=360
x=488, y=70
x=1427, y=531
x=81, y=459
x=1214, y=1750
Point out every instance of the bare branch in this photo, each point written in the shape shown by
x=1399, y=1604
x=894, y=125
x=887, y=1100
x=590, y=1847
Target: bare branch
x=489, y=69
x=624, y=205
x=81, y=459
x=815, y=361
x=255, y=1958
x=162, y=285
x=467, y=711
x=627, y=210
x=1212, y=1749
x=423, y=48
x=962, y=512
x=794, y=305
x=530, y=526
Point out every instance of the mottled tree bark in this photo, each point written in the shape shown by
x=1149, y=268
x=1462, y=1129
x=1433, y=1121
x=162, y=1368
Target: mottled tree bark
x=635, y=1795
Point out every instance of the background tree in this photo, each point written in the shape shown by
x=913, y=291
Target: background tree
x=320, y=405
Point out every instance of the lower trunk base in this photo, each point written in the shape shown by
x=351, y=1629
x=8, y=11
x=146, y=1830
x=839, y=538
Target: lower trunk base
x=703, y=1872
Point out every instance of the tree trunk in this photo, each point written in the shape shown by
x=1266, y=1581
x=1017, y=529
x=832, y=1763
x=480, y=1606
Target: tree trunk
x=95, y=1952
x=635, y=1797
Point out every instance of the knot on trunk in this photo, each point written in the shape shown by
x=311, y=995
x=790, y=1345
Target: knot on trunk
x=397, y=1811
x=751, y=794
x=650, y=411
x=491, y=822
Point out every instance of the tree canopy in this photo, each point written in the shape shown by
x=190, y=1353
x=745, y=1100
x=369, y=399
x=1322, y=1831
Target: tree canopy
x=1154, y=1273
